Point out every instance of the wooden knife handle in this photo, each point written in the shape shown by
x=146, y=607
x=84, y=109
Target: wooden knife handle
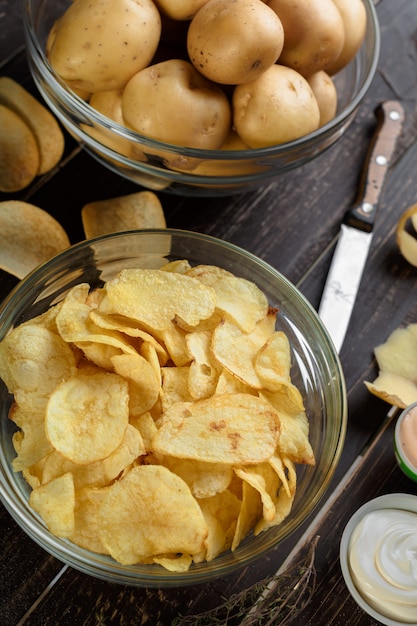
x=390, y=117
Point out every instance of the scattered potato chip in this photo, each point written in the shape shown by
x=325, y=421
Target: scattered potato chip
x=29, y=236
x=55, y=502
x=406, y=242
x=45, y=128
x=87, y=415
x=136, y=520
x=138, y=210
x=167, y=415
x=19, y=154
x=396, y=382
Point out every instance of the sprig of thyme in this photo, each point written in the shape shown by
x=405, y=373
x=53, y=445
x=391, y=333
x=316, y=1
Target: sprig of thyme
x=273, y=601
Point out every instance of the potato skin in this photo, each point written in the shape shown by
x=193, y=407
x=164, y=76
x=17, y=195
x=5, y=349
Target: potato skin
x=314, y=34
x=198, y=115
x=97, y=45
x=180, y=9
x=277, y=107
x=234, y=41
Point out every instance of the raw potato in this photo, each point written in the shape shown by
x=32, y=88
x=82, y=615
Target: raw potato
x=109, y=103
x=180, y=9
x=99, y=44
x=135, y=211
x=198, y=115
x=224, y=49
x=28, y=236
x=325, y=93
x=42, y=123
x=19, y=154
x=277, y=107
x=354, y=19
x=314, y=33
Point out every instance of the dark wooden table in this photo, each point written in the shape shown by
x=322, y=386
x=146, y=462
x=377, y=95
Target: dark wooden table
x=292, y=223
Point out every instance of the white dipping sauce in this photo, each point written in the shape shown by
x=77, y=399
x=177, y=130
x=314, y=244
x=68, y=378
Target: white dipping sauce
x=383, y=562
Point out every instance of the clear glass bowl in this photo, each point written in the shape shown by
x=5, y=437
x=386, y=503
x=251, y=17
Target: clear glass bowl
x=220, y=172
x=316, y=371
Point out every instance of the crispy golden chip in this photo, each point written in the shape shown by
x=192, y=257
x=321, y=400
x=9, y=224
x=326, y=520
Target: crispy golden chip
x=229, y=383
x=265, y=480
x=208, y=274
x=87, y=415
x=406, y=242
x=250, y=512
x=175, y=342
x=33, y=360
x=55, y=503
x=273, y=362
x=294, y=438
x=145, y=424
x=181, y=266
x=204, y=479
x=221, y=512
x=99, y=473
x=236, y=350
x=31, y=443
x=155, y=298
x=45, y=128
x=144, y=386
x=75, y=325
x=229, y=429
x=204, y=369
x=151, y=512
x=138, y=210
x=283, y=500
x=174, y=563
x=28, y=237
x=86, y=515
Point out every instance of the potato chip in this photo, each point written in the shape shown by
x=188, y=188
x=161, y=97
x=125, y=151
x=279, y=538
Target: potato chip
x=294, y=438
x=29, y=236
x=31, y=443
x=144, y=386
x=151, y=512
x=250, y=513
x=273, y=362
x=33, y=360
x=87, y=415
x=232, y=428
x=145, y=424
x=394, y=389
x=174, y=563
x=229, y=383
x=75, y=325
x=180, y=266
x=55, y=503
x=283, y=500
x=155, y=298
x=265, y=480
x=398, y=355
x=176, y=345
x=236, y=350
x=138, y=210
x=175, y=386
x=204, y=369
x=204, y=479
x=231, y=292
x=86, y=515
x=220, y=512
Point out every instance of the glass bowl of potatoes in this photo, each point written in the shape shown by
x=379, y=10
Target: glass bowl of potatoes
x=196, y=99
x=228, y=421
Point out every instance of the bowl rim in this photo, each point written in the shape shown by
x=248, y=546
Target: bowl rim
x=397, y=501
x=404, y=463
x=87, y=111
x=166, y=579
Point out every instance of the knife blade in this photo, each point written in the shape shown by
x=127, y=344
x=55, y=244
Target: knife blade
x=356, y=231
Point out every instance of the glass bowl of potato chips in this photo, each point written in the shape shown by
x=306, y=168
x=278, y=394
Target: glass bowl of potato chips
x=156, y=119
x=171, y=407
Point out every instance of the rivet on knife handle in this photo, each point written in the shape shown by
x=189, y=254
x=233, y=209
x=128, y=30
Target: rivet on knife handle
x=390, y=115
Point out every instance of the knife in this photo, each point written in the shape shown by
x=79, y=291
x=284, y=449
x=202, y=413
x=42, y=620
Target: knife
x=346, y=269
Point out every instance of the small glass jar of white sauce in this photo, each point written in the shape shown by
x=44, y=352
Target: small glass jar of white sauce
x=378, y=557
x=405, y=441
